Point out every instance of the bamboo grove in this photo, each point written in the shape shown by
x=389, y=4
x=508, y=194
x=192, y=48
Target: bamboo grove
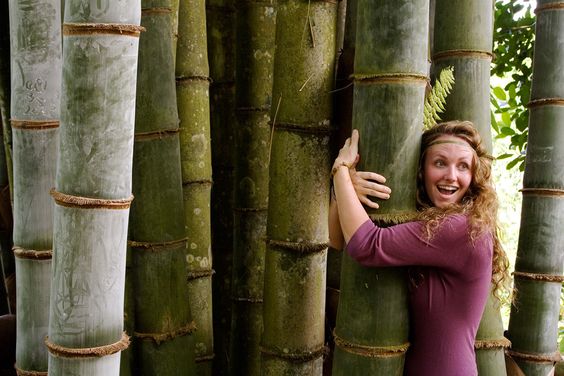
x=167, y=167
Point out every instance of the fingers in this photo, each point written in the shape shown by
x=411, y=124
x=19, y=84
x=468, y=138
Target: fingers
x=371, y=176
x=366, y=201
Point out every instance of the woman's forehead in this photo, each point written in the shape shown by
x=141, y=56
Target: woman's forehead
x=451, y=146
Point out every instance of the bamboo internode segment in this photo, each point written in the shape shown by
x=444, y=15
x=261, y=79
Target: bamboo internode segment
x=546, y=102
x=186, y=80
x=548, y=7
x=543, y=192
x=158, y=338
x=370, y=351
x=71, y=201
x=158, y=246
x=385, y=78
x=481, y=344
x=156, y=135
x=295, y=357
x=314, y=129
x=540, y=358
x=88, y=352
x=539, y=277
x=34, y=124
x=304, y=248
x=156, y=10
x=102, y=29
x=21, y=372
x=472, y=54
x=203, y=273
x=32, y=254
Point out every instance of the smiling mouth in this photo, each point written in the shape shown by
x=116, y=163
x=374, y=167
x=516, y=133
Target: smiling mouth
x=447, y=189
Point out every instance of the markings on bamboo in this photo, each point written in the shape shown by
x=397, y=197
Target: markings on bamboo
x=370, y=351
x=197, y=274
x=88, y=352
x=158, y=338
x=127, y=30
x=34, y=124
x=33, y=39
x=88, y=8
x=299, y=357
x=156, y=135
x=159, y=246
x=72, y=201
x=299, y=247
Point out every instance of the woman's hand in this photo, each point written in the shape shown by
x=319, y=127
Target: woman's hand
x=348, y=155
x=369, y=184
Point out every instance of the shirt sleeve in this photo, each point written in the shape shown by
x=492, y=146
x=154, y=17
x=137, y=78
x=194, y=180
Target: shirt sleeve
x=407, y=244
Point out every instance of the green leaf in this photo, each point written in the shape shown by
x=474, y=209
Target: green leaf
x=506, y=118
x=507, y=131
x=512, y=164
x=499, y=93
x=504, y=156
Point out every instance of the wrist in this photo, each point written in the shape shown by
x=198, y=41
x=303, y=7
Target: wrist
x=338, y=164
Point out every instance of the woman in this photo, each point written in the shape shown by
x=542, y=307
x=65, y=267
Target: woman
x=454, y=244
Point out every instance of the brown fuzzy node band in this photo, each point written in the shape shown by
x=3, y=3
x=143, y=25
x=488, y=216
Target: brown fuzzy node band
x=183, y=80
x=546, y=102
x=491, y=344
x=197, y=274
x=205, y=358
x=159, y=338
x=385, y=78
x=475, y=54
x=32, y=254
x=312, y=129
x=158, y=246
x=88, y=352
x=237, y=299
x=34, y=124
x=70, y=29
x=545, y=192
x=537, y=358
x=72, y=201
x=156, y=135
x=539, y=277
x=298, y=357
x=22, y=372
x=370, y=351
x=304, y=248
x=551, y=6
x=390, y=219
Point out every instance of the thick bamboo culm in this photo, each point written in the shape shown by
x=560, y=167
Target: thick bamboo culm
x=220, y=19
x=372, y=338
x=5, y=97
x=163, y=338
x=533, y=324
x=256, y=22
x=192, y=93
x=35, y=103
x=463, y=33
x=93, y=189
x=296, y=255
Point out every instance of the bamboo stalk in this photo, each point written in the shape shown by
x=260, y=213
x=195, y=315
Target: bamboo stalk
x=296, y=256
x=470, y=55
x=533, y=324
x=220, y=18
x=93, y=188
x=192, y=90
x=163, y=324
x=256, y=22
x=35, y=96
x=388, y=111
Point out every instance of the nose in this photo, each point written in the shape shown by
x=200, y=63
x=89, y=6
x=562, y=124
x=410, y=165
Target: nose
x=450, y=173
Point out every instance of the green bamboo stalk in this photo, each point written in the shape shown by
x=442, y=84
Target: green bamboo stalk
x=220, y=18
x=35, y=31
x=296, y=256
x=175, y=6
x=533, y=324
x=390, y=78
x=256, y=22
x=93, y=188
x=192, y=91
x=163, y=322
x=463, y=33
x=7, y=262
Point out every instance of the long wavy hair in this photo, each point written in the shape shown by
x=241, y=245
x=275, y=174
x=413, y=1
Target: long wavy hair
x=479, y=202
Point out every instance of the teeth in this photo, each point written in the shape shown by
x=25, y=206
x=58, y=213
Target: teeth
x=447, y=188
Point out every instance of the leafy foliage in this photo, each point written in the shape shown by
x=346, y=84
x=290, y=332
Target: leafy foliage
x=513, y=49
x=436, y=98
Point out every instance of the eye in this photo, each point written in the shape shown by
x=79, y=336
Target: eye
x=439, y=163
x=463, y=166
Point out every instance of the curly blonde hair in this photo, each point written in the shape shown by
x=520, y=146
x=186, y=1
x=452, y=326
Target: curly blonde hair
x=479, y=202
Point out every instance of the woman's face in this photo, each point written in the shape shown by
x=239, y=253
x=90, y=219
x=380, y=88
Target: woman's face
x=447, y=170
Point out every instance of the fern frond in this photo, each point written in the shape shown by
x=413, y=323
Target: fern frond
x=436, y=99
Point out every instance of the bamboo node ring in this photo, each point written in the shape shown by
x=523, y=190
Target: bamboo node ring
x=298, y=357
x=23, y=372
x=477, y=54
x=298, y=247
x=156, y=10
x=545, y=102
x=158, y=246
x=156, y=135
x=32, y=254
x=205, y=358
x=197, y=274
x=547, y=7
x=72, y=201
x=545, y=192
x=487, y=344
x=158, y=338
x=34, y=124
x=88, y=352
x=370, y=351
x=247, y=300
x=537, y=358
x=102, y=29
x=539, y=277
x=182, y=80
x=313, y=129
x=385, y=78
x=390, y=219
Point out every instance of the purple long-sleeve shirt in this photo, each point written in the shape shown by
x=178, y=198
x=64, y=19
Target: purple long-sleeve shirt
x=447, y=304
